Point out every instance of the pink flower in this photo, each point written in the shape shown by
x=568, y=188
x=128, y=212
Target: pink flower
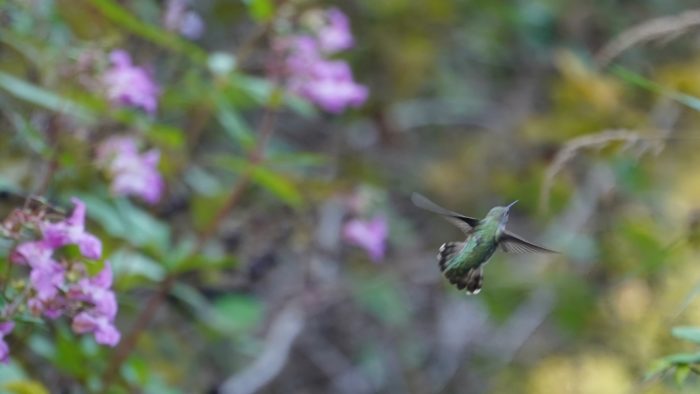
x=132, y=173
x=5, y=329
x=370, y=235
x=332, y=87
x=33, y=253
x=335, y=35
x=99, y=316
x=47, y=280
x=72, y=231
x=130, y=85
x=178, y=18
x=97, y=291
x=101, y=326
x=53, y=308
x=302, y=53
x=310, y=74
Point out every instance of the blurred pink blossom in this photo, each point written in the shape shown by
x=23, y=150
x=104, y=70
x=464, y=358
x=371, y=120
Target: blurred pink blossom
x=101, y=326
x=178, y=18
x=97, y=291
x=335, y=34
x=310, y=74
x=72, y=231
x=99, y=317
x=132, y=173
x=370, y=235
x=33, y=253
x=60, y=286
x=130, y=85
x=5, y=328
x=47, y=279
x=331, y=86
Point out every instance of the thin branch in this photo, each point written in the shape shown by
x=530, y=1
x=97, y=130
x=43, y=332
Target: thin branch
x=278, y=344
x=596, y=141
x=649, y=30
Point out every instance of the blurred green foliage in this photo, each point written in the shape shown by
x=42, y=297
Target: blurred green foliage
x=471, y=102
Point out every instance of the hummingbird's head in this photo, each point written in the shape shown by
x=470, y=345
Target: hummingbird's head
x=501, y=213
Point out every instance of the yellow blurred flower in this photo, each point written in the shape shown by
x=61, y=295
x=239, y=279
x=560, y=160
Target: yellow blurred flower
x=583, y=374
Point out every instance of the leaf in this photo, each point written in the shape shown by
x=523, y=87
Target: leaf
x=296, y=159
x=234, y=125
x=118, y=14
x=30, y=136
x=24, y=387
x=683, y=358
x=124, y=220
x=258, y=89
x=657, y=367
x=637, y=79
x=42, y=97
x=269, y=180
x=260, y=10
x=681, y=374
x=237, y=313
x=687, y=333
x=129, y=266
x=277, y=185
x=230, y=314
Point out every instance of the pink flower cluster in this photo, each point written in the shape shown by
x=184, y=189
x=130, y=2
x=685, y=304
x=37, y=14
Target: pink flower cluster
x=60, y=286
x=132, y=173
x=130, y=85
x=309, y=71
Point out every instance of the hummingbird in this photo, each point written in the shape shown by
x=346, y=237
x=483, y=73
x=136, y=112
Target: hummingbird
x=462, y=262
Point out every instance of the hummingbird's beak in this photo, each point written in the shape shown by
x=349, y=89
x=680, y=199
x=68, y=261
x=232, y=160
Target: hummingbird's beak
x=510, y=205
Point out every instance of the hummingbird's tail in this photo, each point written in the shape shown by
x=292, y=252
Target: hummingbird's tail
x=471, y=280
x=447, y=251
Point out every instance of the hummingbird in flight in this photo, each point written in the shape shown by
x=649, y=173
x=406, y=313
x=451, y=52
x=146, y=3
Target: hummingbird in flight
x=462, y=262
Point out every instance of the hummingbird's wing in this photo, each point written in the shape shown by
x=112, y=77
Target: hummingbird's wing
x=512, y=243
x=471, y=279
x=465, y=223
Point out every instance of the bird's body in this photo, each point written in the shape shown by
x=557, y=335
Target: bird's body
x=462, y=262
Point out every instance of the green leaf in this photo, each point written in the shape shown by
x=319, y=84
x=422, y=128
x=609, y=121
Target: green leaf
x=237, y=313
x=301, y=106
x=124, y=220
x=301, y=159
x=29, y=135
x=166, y=135
x=42, y=346
x=130, y=266
x=24, y=387
x=683, y=358
x=273, y=182
x=687, y=333
x=681, y=374
x=639, y=80
x=277, y=185
x=234, y=125
x=261, y=10
x=230, y=314
x=42, y=97
x=11, y=371
x=119, y=15
x=68, y=356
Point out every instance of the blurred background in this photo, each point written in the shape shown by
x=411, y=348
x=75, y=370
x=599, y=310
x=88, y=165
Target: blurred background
x=285, y=255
